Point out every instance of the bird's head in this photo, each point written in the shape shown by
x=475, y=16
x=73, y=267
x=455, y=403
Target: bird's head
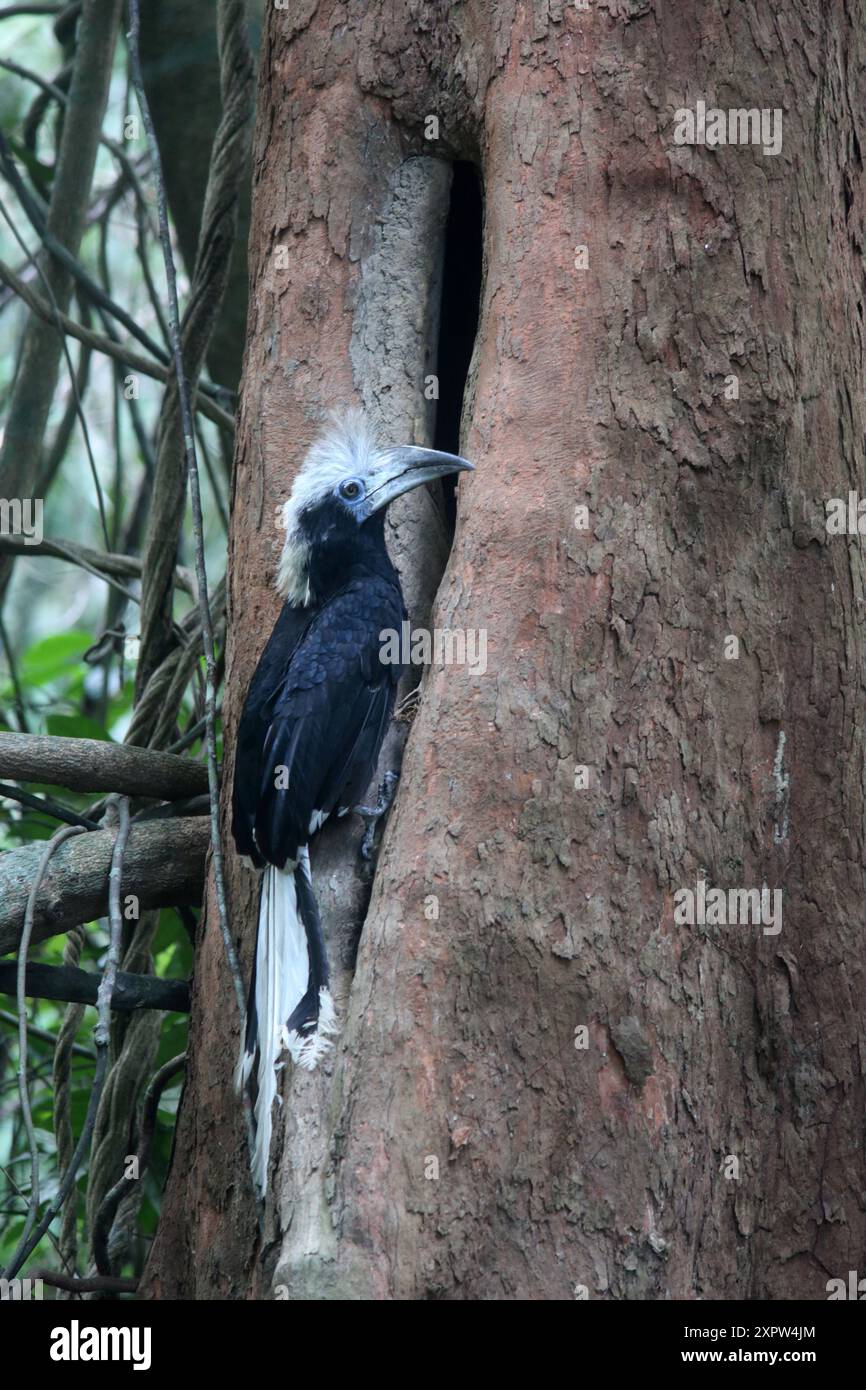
x=342, y=488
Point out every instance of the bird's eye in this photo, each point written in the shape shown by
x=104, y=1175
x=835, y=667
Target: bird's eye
x=351, y=489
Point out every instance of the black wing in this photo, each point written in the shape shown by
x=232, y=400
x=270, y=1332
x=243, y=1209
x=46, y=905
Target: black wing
x=253, y=727
x=324, y=718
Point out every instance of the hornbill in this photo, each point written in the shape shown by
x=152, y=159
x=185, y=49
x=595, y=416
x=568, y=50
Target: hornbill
x=312, y=727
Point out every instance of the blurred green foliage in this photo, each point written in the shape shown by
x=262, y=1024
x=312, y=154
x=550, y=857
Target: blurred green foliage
x=67, y=641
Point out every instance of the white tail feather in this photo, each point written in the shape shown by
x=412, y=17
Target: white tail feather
x=282, y=974
x=307, y=1049
x=282, y=979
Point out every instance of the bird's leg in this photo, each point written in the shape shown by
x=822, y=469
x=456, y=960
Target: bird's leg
x=371, y=815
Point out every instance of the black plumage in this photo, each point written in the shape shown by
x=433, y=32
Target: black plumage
x=318, y=705
x=312, y=728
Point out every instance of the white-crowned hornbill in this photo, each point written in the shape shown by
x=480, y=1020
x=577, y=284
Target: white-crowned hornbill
x=312, y=727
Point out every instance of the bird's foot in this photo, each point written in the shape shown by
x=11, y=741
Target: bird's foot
x=408, y=706
x=371, y=815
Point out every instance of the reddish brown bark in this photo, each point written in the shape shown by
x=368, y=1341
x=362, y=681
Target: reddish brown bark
x=560, y=1167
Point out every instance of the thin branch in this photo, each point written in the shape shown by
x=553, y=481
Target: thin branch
x=26, y=1247
x=64, y=24
x=54, y=452
x=18, y=1193
x=47, y=805
x=112, y=1199
x=61, y=1084
x=43, y=1034
x=17, y=545
x=36, y=114
x=94, y=292
x=141, y=220
x=216, y=490
x=101, y=1035
x=10, y=11
x=73, y=375
x=126, y=356
x=193, y=806
x=102, y=1032
x=193, y=733
x=231, y=19
x=41, y=349
x=50, y=89
x=92, y=1283
x=100, y=563
x=72, y=985
x=21, y=969
x=20, y=706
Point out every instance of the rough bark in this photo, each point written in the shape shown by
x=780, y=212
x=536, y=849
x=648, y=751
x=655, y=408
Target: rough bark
x=89, y=765
x=603, y=387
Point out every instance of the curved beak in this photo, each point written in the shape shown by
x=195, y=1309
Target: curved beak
x=407, y=467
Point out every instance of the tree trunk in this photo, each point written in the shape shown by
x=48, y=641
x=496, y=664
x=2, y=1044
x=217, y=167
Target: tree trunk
x=554, y=1086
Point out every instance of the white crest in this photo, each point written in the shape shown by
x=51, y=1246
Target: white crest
x=346, y=449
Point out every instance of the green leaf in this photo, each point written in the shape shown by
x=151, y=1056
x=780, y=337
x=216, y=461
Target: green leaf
x=31, y=827
x=53, y=658
x=75, y=726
